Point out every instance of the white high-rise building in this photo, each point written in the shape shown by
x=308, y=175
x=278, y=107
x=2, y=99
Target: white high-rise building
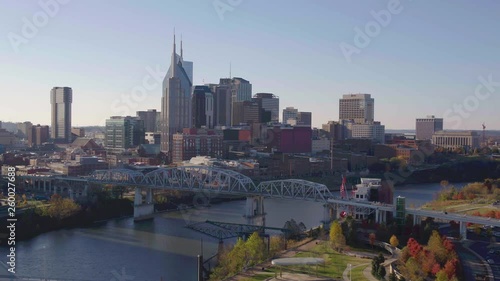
x=357, y=107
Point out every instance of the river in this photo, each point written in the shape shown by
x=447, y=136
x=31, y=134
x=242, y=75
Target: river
x=158, y=249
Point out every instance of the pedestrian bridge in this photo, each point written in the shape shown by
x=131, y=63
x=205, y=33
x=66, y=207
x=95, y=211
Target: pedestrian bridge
x=212, y=180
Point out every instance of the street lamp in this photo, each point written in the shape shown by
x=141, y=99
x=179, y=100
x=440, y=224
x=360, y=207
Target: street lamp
x=350, y=267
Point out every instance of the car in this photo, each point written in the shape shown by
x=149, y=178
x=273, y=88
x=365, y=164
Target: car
x=490, y=261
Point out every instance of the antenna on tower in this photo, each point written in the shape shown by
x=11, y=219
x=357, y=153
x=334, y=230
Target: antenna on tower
x=230, y=70
x=484, y=135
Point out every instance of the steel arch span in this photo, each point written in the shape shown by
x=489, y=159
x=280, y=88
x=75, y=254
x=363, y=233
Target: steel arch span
x=117, y=176
x=200, y=178
x=216, y=180
x=295, y=189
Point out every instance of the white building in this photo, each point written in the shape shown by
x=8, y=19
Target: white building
x=374, y=131
x=357, y=107
x=362, y=192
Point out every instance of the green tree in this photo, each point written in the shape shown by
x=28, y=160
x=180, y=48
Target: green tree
x=255, y=248
x=337, y=238
x=394, y=241
x=393, y=277
x=441, y=276
x=381, y=272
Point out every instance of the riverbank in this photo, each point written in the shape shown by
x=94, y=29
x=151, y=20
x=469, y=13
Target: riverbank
x=34, y=221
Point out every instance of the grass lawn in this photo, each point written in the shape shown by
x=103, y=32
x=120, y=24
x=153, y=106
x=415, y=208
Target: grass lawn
x=335, y=263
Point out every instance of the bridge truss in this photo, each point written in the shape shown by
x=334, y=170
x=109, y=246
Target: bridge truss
x=213, y=180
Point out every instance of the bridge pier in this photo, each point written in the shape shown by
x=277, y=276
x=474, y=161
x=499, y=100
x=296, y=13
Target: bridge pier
x=254, y=210
x=417, y=220
x=329, y=214
x=463, y=230
x=143, y=211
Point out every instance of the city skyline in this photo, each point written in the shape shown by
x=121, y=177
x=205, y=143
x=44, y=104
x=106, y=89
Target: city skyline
x=410, y=73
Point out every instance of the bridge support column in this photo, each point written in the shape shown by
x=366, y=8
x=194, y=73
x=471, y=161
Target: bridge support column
x=254, y=211
x=44, y=186
x=85, y=190
x=143, y=211
x=70, y=191
x=329, y=214
x=417, y=220
x=377, y=215
x=463, y=230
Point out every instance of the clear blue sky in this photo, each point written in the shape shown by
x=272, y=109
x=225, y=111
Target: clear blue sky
x=426, y=59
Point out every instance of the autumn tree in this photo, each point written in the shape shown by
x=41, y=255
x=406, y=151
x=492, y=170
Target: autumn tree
x=394, y=241
x=337, y=238
x=372, y=238
x=436, y=246
x=61, y=208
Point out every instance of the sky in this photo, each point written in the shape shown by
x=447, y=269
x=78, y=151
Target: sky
x=415, y=58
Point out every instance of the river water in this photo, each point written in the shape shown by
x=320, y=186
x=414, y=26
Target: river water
x=158, y=249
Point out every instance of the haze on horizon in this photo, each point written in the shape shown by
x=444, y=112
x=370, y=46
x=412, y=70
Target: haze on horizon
x=426, y=58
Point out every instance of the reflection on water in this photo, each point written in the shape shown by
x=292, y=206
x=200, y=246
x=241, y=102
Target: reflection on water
x=160, y=248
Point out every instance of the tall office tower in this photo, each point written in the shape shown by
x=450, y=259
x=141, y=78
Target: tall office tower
x=335, y=130
x=24, y=129
x=150, y=119
x=246, y=112
x=176, y=101
x=357, y=107
x=426, y=127
x=289, y=113
x=203, y=107
x=61, y=99
x=222, y=102
x=269, y=103
x=242, y=89
x=124, y=132
x=304, y=118
x=38, y=135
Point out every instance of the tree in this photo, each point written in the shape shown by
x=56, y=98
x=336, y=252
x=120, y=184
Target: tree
x=393, y=277
x=372, y=238
x=381, y=272
x=336, y=236
x=61, y=208
x=255, y=249
x=441, y=276
x=394, y=241
x=435, y=245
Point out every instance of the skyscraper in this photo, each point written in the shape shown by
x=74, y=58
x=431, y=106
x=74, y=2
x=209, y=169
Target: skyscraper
x=222, y=102
x=242, y=89
x=150, y=119
x=176, y=101
x=304, y=118
x=124, y=132
x=269, y=103
x=61, y=99
x=203, y=107
x=426, y=127
x=357, y=107
x=289, y=113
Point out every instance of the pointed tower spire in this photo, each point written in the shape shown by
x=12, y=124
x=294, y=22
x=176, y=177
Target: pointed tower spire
x=181, y=49
x=173, y=62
